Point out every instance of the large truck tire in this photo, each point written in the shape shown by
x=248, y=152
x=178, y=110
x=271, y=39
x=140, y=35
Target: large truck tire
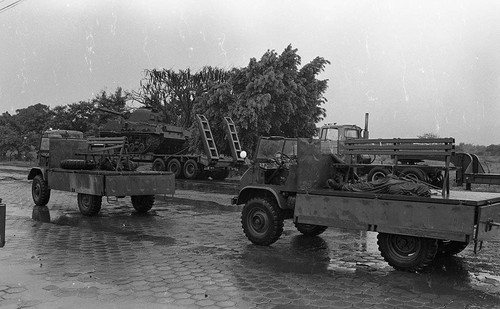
x=40, y=191
x=175, y=167
x=142, y=203
x=89, y=204
x=158, y=165
x=450, y=247
x=262, y=221
x=190, y=169
x=376, y=173
x=414, y=173
x=407, y=253
x=310, y=229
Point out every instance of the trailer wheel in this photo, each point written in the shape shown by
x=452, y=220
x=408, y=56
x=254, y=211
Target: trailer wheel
x=40, y=191
x=310, y=229
x=158, y=165
x=174, y=166
x=89, y=204
x=190, y=169
x=450, y=247
x=414, y=174
x=408, y=253
x=377, y=173
x=142, y=203
x=262, y=221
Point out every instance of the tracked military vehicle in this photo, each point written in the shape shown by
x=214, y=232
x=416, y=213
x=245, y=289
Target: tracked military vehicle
x=146, y=131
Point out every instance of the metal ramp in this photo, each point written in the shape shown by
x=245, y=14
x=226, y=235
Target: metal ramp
x=233, y=139
x=208, y=140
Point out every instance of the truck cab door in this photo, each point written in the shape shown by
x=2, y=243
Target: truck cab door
x=329, y=140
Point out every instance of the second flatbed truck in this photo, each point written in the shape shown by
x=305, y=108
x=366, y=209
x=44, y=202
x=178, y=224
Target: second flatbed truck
x=93, y=168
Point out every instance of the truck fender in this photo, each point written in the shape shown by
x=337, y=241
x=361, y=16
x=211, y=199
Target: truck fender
x=252, y=191
x=36, y=171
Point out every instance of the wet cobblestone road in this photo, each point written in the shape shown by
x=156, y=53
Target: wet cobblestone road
x=191, y=252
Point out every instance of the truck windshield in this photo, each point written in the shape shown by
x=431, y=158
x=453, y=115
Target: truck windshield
x=269, y=147
x=330, y=134
x=350, y=133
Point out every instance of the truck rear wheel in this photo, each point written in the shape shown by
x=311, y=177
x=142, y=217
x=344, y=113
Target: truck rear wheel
x=377, y=173
x=40, y=191
x=408, y=253
x=450, y=247
x=174, y=166
x=89, y=204
x=190, y=169
x=310, y=229
x=262, y=221
x=158, y=165
x=142, y=203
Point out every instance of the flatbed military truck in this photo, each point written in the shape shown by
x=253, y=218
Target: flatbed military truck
x=93, y=168
x=289, y=179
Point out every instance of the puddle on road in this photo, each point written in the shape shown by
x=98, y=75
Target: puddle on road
x=118, y=225
x=356, y=255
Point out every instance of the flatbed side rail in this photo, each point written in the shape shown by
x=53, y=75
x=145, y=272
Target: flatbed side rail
x=414, y=147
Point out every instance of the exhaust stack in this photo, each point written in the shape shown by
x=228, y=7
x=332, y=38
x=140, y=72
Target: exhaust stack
x=366, y=133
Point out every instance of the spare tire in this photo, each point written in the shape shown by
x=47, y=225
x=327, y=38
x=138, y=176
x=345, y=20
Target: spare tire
x=77, y=164
x=414, y=173
x=377, y=173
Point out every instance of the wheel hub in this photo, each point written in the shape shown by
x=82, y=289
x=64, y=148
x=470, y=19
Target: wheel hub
x=405, y=245
x=259, y=222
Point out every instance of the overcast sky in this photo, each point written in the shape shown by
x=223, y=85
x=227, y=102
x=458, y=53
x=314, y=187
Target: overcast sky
x=416, y=66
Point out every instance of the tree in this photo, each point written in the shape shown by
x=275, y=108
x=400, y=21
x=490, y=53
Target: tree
x=175, y=93
x=116, y=102
x=272, y=97
x=10, y=141
x=428, y=136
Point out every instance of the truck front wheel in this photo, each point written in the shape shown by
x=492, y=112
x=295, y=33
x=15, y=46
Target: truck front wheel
x=40, y=191
x=407, y=253
x=310, y=229
x=262, y=221
x=142, y=203
x=89, y=204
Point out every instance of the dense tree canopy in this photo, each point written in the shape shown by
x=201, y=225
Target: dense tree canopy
x=270, y=96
